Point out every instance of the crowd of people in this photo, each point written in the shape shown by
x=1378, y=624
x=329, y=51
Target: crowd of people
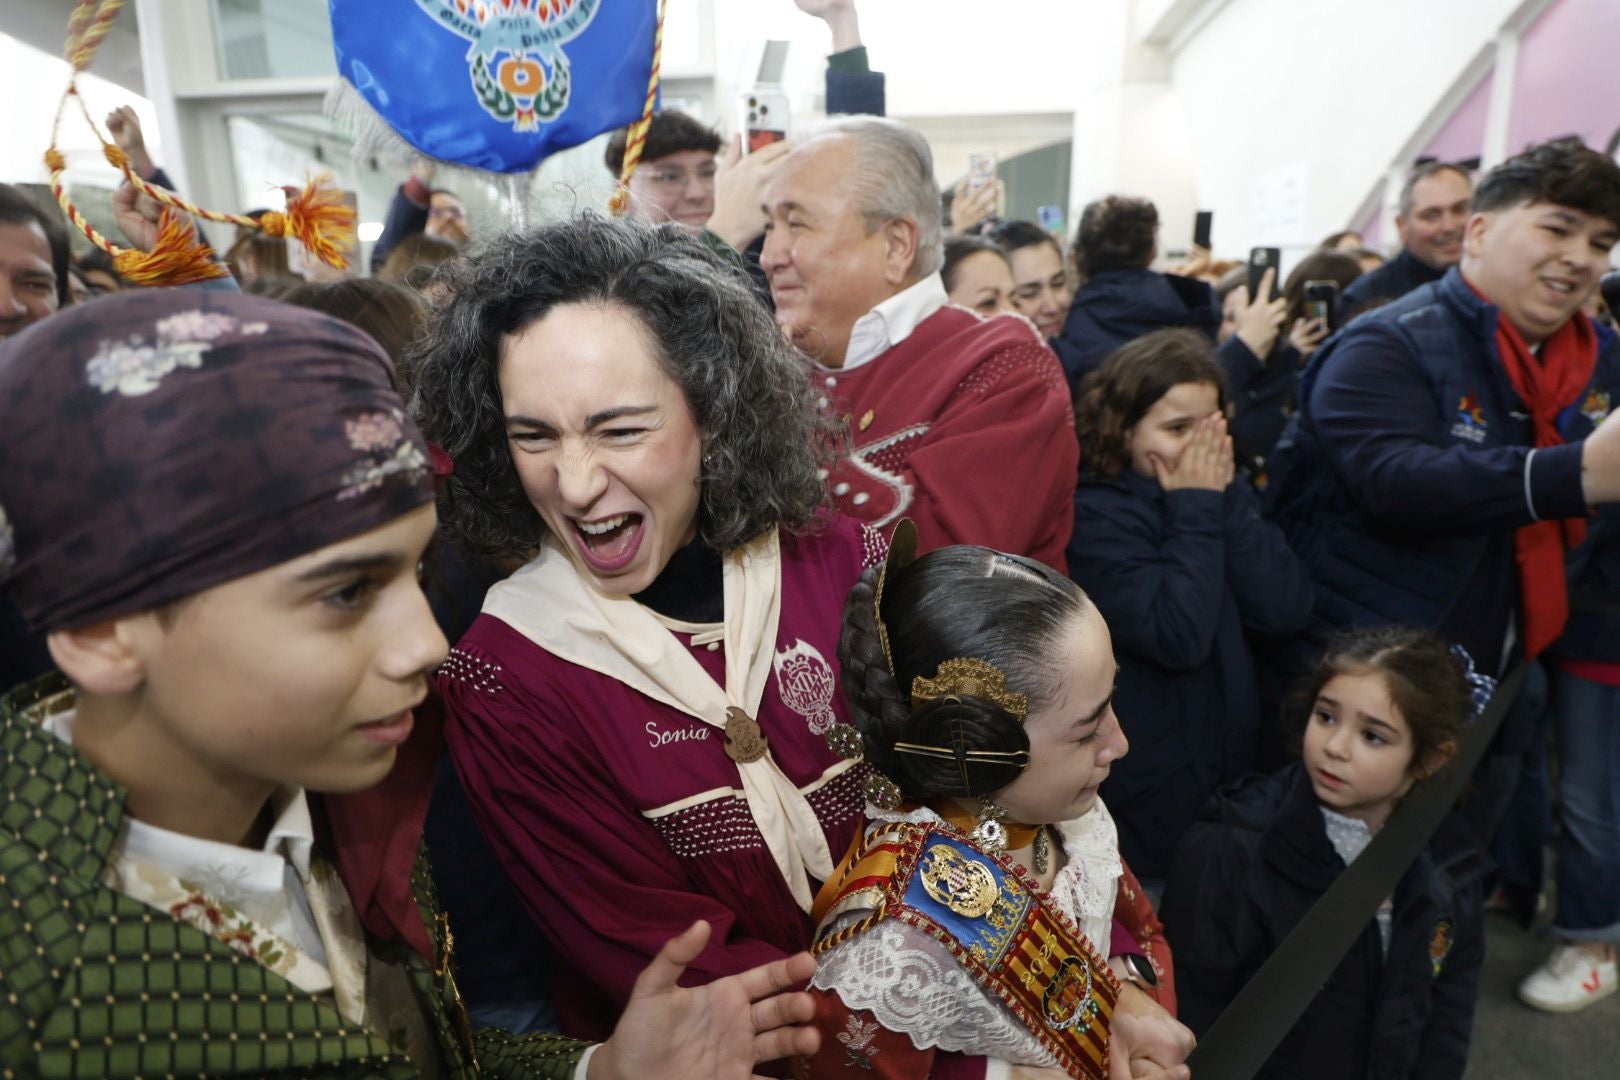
x=520, y=659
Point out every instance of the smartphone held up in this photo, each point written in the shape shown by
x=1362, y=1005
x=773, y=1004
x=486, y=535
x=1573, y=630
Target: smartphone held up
x=762, y=116
x=1262, y=259
x=1321, y=302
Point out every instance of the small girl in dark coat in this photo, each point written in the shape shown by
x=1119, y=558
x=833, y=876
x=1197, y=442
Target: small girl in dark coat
x=1180, y=563
x=1387, y=708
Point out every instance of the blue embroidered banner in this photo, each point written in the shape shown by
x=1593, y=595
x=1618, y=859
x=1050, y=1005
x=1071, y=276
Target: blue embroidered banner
x=497, y=84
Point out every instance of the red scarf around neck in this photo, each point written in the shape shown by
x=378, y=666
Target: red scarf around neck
x=1547, y=384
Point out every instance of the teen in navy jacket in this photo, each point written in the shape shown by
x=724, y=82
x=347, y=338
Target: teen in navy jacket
x=1413, y=461
x=1178, y=560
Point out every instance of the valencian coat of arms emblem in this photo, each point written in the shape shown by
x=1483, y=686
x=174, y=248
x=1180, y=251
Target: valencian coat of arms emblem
x=516, y=61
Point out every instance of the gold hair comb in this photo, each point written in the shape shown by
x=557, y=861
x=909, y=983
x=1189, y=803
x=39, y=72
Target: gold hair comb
x=967, y=677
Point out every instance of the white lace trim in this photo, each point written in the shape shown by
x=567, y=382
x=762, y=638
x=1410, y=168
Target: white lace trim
x=912, y=984
x=1086, y=887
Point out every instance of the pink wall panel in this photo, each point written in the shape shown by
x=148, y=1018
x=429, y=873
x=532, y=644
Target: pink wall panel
x=1568, y=77
x=1463, y=137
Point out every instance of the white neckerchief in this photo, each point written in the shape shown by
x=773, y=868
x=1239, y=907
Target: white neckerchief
x=892, y=321
x=275, y=905
x=549, y=602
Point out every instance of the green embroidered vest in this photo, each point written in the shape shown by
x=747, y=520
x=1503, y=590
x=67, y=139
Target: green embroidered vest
x=94, y=984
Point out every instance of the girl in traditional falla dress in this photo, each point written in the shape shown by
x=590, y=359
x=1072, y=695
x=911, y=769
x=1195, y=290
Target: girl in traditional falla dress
x=1387, y=708
x=210, y=820
x=977, y=911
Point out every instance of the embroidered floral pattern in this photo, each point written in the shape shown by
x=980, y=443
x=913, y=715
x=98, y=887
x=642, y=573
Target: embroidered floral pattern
x=8, y=545
x=857, y=1038
x=223, y=923
x=133, y=367
x=388, y=452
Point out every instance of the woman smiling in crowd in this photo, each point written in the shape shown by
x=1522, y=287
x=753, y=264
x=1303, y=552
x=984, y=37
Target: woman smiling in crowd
x=639, y=713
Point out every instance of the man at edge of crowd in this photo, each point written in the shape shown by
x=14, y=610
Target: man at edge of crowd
x=1433, y=211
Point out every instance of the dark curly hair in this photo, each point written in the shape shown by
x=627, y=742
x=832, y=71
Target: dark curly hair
x=765, y=439
x=1426, y=683
x=961, y=601
x=1116, y=233
x=1011, y=236
x=1114, y=398
x=1565, y=172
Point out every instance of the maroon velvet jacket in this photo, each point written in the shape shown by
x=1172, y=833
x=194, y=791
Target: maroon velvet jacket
x=620, y=819
x=966, y=428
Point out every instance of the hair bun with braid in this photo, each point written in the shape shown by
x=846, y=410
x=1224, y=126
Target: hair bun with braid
x=961, y=603
x=959, y=746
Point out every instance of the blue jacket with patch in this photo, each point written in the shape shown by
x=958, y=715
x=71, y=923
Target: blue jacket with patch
x=1409, y=466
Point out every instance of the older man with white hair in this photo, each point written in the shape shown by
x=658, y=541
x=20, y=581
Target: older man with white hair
x=961, y=423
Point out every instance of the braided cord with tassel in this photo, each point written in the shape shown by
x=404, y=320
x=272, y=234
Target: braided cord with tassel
x=316, y=216
x=637, y=139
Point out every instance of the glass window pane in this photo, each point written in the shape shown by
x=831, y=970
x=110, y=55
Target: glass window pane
x=262, y=39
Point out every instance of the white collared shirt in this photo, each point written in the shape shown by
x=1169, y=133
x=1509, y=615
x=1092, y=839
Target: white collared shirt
x=892, y=321
x=266, y=885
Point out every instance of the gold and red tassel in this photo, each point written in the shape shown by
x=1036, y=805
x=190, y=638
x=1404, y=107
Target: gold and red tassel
x=318, y=218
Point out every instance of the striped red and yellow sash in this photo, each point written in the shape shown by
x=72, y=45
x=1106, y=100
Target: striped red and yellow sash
x=996, y=922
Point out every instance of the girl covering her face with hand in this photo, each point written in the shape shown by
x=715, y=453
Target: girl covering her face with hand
x=1178, y=560
x=1386, y=710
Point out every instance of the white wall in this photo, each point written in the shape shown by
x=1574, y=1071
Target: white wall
x=31, y=81
x=1266, y=84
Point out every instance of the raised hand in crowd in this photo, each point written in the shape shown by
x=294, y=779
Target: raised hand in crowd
x=125, y=128
x=139, y=217
x=971, y=205
x=841, y=19
x=713, y=1032
x=1197, y=263
x=1307, y=335
x=1261, y=319
x=424, y=169
x=739, y=191
x=1600, y=464
x=1205, y=463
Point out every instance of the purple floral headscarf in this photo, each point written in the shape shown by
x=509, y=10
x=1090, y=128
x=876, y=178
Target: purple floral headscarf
x=156, y=443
